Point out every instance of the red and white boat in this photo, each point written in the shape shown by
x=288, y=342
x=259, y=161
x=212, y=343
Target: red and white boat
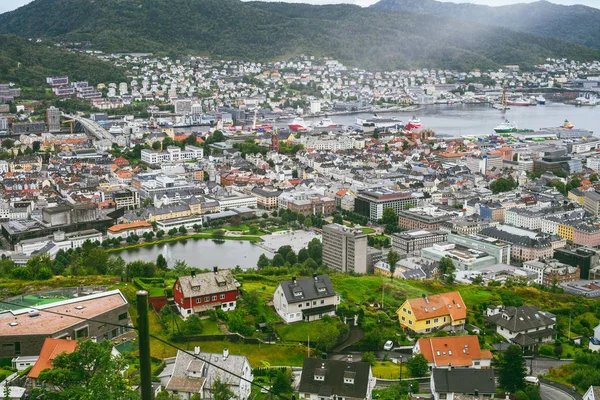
x=298, y=124
x=414, y=123
x=326, y=123
x=519, y=102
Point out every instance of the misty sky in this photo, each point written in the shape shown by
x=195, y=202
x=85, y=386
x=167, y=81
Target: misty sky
x=8, y=5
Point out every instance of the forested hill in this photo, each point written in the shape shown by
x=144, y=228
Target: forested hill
x=28, y=64
x=577, y=23
x=365, y=37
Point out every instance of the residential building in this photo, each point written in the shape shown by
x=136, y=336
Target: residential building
x=526, y=326
x=137, y=228
x=593, y=393
x=492, y=210
x=336, y=379
x=453, y=352
x=23, y=332
x=307, y=203
x=53, y=119
x=462, y=383
x=197, y=293
x=191, y=374
x=431, y=313
x=267, y=198
x=551, y=272
x=424, y=218
x=592, y=203
x=345, y=249
x=50, y=349
x=525, y=245
x=410, y=243
x=305, y=299
x=372, y=202
x=126, y=198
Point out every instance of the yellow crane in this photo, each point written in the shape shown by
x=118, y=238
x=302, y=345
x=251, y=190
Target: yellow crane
x=70, y=122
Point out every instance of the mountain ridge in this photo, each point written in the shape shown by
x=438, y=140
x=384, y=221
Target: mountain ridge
x=366, y=37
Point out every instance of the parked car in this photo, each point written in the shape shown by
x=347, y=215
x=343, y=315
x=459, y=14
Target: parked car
x=532, y=380
x=388, y=345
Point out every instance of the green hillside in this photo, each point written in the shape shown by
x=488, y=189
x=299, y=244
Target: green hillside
x=265, y=31
x=577, y=23
x=28, y=64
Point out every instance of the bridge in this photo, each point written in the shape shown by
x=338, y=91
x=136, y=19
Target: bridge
x=92, y=127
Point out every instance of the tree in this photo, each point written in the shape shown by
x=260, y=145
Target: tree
x=156, y=145
x=594, y=177
x=221, y=391
x=285, y=250
x=389, y=216
x=147, y=201
x=311, y=264
x=197, y=228
x=193, y=325
x=295, y=174
x=307, y=222
x=90, y=372
x=558, y=350
x=219, y=233
x=446, y=268
x=172, y=232
x=278, y=260
x=392, y=259
x=418, y=365
x=8, y=143
x=327, y=336
x=182, y=230
x=337, y=219
x=512, y=370
x=368, y=356
x=387, y=148
x=253, y=228
x=140, y=269
x=283, y=382
x=303, y=255
x=263, y=261
x=160, y=234
x=291, y=258
x=181, y=267
x=161, y=262
x=478, y=280
x=315, y=250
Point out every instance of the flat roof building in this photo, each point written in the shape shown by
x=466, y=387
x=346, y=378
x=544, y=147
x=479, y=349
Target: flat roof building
x=372, y=202
x=345, y=249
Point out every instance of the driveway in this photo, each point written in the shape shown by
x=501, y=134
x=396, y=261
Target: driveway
x=548, y=392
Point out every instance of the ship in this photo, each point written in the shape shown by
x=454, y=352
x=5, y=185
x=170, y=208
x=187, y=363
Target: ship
x=326, y=123
x=378, y=122
x=541, y=100
x=509, y=127
x=298, y=124
x=567, y=124
x=519, y=102
x=414, y=123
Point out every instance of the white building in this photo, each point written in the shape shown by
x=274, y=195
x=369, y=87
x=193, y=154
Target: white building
x=172, y=154
x=306, y=299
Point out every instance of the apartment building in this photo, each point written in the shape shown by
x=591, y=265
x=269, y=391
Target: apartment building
x=345, y=249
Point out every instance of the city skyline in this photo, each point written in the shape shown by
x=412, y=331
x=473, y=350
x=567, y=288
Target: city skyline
x=10, y=5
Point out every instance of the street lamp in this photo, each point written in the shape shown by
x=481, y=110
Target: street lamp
x=401, y=360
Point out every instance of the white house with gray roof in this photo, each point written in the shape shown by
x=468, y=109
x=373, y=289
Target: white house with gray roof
x=306, y=299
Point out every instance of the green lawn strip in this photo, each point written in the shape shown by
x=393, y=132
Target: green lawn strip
x=299, y=331
x=368, y=231
x=389, y=370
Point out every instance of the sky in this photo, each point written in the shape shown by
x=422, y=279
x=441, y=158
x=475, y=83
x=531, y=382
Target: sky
x=8, y=5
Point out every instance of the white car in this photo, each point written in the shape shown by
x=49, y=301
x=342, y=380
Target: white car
x=388, y=345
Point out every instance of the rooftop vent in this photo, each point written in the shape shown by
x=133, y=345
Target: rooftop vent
x=34, y=313
x=79, y=308
x=13, y=324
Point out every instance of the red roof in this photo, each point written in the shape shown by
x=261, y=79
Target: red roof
x=450, y=303
x=460, y=351
x=51, y=349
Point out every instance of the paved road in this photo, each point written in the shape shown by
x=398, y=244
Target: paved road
x=542, y=365
x=548, y=392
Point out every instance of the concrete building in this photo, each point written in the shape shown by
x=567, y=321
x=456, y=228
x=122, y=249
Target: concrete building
x=345, y=249
x=584, y=258
x=424, y=218
x=372, y=202
x=53, y=119
x=551, y=272
x=266, y=198
x=410, y=243
x=592, y=203
x=496, y=248
x=558, y=163
x=464, y=258
x=172, y=154
x=525, y=245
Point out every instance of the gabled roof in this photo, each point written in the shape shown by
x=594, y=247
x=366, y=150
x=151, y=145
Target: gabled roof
x=438, y=305
x=303, y=289
x=51, y=349
x=458, y=351
x=464, y=380
x=521, y=319
x=334, y=372
x=207, y=283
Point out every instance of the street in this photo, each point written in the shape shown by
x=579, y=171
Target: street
x=548, y=392
x=542, y=365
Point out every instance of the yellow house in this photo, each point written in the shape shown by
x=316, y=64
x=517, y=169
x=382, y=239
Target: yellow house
x=430, y=313
x=566, y=231
x=577, y=196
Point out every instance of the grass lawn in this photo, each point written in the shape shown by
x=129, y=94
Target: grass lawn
x=389, y=370
x=210, y=327
x=367, y=231
x=299, y=331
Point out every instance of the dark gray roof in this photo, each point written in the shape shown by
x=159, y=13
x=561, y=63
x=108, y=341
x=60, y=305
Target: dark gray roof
x=334, y=372
x=539, y=242
x=464, y=380
x=521, y=319
x=304, y=289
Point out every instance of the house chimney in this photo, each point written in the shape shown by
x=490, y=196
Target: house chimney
x=315, y=276
x=294, y=280
x=193, y=273
x=215, y=269
x=197, y=350
x=424, y=296
x=349, y=358
x=225, y=353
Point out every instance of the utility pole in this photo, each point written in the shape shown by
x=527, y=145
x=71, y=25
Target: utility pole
x=144, y=340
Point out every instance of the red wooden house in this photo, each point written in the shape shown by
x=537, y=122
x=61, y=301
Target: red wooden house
x=198, y=293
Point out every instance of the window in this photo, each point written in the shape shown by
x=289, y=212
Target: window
x=114, y=333
x=198, y=300
x=403, y=319
x=206, y=299
x=300, y=305
x=122, y=316
x=222, y=297
x=214, y=298
x=404, y=309
x=435, y=320
x=81, y=333
x=428, y=322
x=314, y=303
x=322, y=301
x=307, y=304
x=410, y=322
x=409, y=312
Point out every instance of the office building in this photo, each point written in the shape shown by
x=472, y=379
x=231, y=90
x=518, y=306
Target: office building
x=344, y=249
x=498, y=249
x=591, y=203
x=557, y=162
x=410, y=243
x=424, y=218
x=583, y=258
x=53, y=119
x=372, y=202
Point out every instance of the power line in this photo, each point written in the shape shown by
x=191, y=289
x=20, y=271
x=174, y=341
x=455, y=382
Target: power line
x=153, y=337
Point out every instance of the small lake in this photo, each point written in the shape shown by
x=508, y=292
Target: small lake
x=200, y=253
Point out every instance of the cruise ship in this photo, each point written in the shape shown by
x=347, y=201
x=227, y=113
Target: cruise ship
x=378, y=122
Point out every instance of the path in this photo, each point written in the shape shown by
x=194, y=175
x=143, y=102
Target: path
x=355, y=335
